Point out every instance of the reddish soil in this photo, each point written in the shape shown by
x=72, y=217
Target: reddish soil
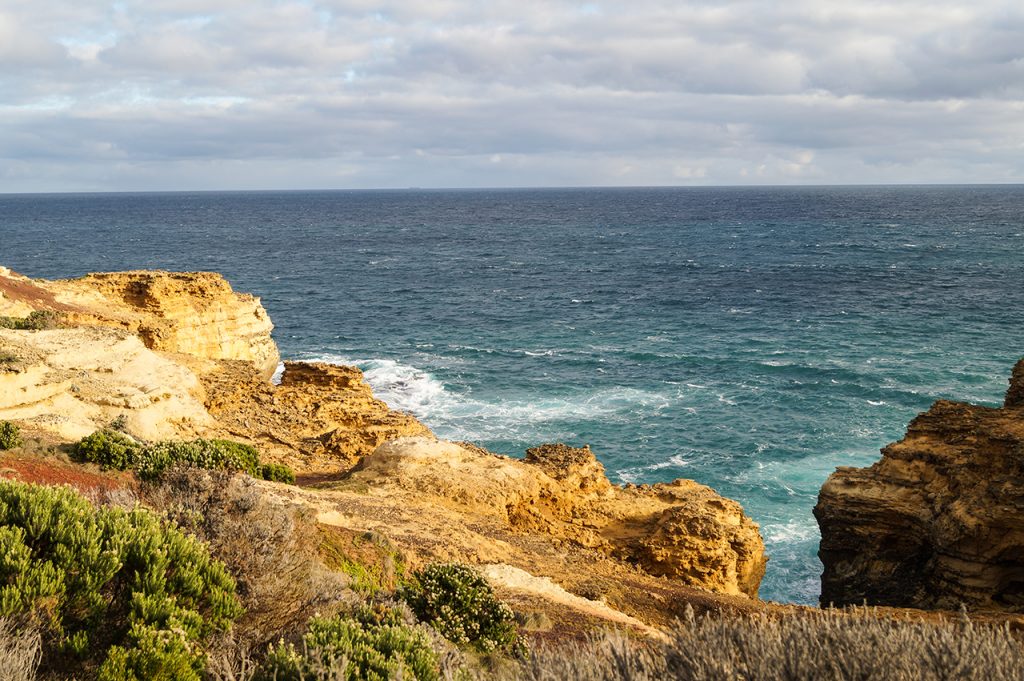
x=28, y=292
x=52, y=471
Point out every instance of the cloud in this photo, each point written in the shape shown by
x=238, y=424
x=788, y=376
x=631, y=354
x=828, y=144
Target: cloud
x=170, y=94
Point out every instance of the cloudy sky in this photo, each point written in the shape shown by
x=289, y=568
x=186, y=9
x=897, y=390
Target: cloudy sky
x=258, y=94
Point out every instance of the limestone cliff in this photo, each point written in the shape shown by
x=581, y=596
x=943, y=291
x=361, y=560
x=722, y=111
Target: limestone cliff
x=939, y=520
x=179, y=355
x=72, y=381
x=193, y=313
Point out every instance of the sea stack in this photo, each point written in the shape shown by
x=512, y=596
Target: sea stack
x=938, y=522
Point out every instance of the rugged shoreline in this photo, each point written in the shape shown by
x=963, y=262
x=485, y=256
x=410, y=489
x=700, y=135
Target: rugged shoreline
x=181, y=355
x=934, y=525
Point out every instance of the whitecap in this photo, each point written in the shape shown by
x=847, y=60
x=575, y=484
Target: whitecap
x=460, y=416
x=791, y=532
x=633, y=473
x=876, y=404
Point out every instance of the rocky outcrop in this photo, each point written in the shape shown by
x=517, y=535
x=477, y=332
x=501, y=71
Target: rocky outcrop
x=1015, y=394
x=71, y=382
x=680, y=530
x=176, y=356
x=192, y=313
x=320, y=418
x=939, y=520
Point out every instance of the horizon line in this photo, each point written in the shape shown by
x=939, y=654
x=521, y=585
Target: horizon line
x=518, y=188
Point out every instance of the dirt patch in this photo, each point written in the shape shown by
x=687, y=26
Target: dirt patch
x=25, y=291
x=53, y=471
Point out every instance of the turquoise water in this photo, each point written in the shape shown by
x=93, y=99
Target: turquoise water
x=752, y=339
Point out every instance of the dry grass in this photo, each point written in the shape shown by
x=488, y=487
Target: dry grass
x=271, y=549
x=852, y=645
x=20, y=652
x=825, y=646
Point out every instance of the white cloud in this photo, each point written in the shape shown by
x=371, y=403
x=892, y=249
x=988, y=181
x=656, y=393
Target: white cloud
x=320, y=93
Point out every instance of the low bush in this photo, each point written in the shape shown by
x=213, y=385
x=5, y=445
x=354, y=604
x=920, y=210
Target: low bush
x=371, y=643
x=277, y=473
x=110, y=449
x=459, y=603
x=114, y=590
x=113, y=449
x=10, y=436
x=270, y=548
x=35, y=321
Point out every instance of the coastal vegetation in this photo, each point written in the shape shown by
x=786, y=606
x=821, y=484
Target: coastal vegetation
x=368, y=643
x=829, y=645
x=34, y=321
x=460, y=604
x=10, y=435
x=116, y=594
x=116, y=450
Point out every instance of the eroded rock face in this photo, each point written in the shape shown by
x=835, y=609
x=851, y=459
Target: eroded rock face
x=178, y=356
x=73, y=381
x=939, y=520
x=193, y=313
x=681, y=530
x=1015, y=395
x=321, y=417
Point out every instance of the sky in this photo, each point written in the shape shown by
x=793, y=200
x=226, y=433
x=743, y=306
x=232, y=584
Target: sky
x=320, y=94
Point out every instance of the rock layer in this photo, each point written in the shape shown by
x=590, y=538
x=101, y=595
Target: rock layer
x=72, y=381
x=193, y=313
x=939, y=520
x=681, y=530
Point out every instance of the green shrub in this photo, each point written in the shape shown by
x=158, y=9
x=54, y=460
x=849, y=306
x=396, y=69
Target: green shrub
x=277, y=473
x=10, y=436
x=35, y=321
x=212, y=454
x=114, y=588
x=458, y=602
x=112, y=449
x=369, y=644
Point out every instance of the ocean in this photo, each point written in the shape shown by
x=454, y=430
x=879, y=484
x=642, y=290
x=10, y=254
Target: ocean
x=751, y=339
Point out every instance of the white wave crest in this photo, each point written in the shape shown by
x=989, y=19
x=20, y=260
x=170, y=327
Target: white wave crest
x=461, y=416
x=792, y=532
x=633, y=474
x=403, y=387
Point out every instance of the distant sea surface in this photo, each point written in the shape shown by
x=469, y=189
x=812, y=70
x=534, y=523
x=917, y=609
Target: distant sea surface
x=751, y=339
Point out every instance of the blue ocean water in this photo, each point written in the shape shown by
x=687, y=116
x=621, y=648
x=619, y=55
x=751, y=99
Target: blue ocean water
x=752, y=339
